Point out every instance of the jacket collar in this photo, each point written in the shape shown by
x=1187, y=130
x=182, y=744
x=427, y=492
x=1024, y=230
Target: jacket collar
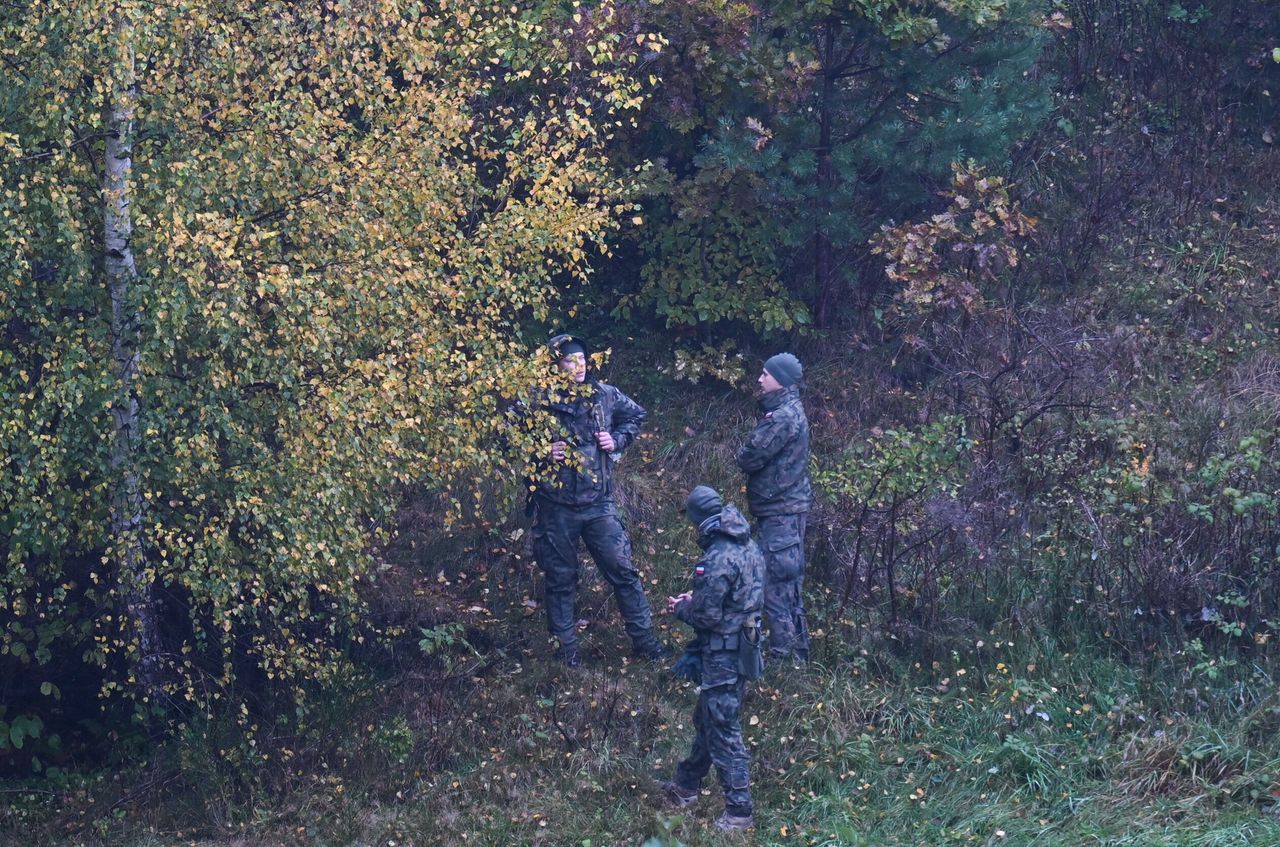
x=777, y=398
x=706, y=531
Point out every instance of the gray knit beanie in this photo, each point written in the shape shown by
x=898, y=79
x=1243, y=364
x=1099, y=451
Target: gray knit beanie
x=785, y=368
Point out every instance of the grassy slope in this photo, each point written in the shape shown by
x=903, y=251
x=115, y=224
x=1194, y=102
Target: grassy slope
x=1011, y=743
x=1008, y=744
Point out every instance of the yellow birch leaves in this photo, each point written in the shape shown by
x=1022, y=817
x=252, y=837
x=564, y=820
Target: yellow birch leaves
x=345, y=214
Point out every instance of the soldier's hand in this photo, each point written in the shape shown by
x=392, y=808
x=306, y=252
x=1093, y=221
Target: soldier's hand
x=558, y=449
x=672, y=602
x=606, y=442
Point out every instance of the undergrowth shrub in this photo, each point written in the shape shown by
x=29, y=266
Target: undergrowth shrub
x=1050, y=477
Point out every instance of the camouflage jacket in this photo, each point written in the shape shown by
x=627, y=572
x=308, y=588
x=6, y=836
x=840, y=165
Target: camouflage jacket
x=776, y=457
x=728, y=581
x=587, y=478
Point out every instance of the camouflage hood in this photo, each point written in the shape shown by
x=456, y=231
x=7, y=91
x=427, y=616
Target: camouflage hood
x=733, y=525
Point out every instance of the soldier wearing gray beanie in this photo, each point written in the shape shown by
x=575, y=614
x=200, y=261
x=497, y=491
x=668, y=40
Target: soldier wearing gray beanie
x=776, y=462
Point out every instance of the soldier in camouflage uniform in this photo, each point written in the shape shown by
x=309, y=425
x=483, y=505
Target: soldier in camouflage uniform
x=573, y=499
x=724, y=610
x=776, y=461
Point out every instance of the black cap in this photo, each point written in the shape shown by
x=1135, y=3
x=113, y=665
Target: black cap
x=565, y=344
x=703, y=503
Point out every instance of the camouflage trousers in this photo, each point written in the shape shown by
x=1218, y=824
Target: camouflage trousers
x=782, y=540
x=719, y=742
x=556, y=533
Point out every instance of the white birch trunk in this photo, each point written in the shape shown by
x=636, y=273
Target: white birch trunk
x=134, y=576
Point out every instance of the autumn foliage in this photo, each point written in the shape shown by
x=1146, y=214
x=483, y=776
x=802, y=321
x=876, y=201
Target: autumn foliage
x=341, y=221
x=942, y=263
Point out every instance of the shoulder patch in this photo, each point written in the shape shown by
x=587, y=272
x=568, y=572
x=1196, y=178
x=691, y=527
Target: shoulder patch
x=699, y=570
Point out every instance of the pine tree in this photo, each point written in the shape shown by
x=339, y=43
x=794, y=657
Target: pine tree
x=818, y=122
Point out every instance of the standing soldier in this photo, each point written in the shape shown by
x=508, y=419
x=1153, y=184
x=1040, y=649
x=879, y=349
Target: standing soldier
x=724, y=610
x=776, y=461
x=573, y=499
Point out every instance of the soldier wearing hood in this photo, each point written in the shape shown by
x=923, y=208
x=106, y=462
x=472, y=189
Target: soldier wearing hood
x=573, y=500
x=724, y=610
x=776, y=462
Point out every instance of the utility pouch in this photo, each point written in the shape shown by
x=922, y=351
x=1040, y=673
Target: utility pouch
x=750, y=656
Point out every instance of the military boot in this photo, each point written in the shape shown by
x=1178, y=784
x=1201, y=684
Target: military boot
x=568, y=655
x=678, y=796
x=732, y=820
x=652, y=650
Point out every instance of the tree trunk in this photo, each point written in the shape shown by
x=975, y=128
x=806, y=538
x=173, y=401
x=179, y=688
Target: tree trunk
x=135, y=578
x=823, y=275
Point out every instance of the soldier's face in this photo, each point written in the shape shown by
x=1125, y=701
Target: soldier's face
x=575, y=364
x=767, y=383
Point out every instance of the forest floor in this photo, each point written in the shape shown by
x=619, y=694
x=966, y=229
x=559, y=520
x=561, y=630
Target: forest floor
x=505, y=747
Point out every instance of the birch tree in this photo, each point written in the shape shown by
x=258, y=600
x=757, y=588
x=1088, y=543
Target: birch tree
x=122, y=278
